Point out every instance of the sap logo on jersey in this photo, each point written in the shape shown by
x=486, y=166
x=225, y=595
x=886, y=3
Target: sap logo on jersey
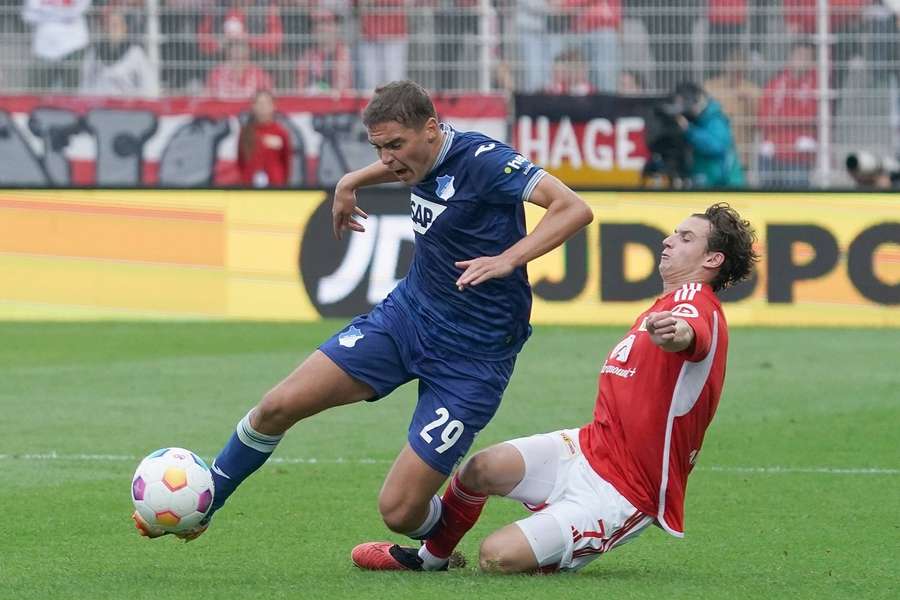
x=424, y=212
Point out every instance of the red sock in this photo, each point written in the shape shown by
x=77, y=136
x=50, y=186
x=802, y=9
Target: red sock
x=462, y=507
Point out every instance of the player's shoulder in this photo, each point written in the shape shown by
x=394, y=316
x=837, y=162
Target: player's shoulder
x=487, y=158
x=471, y=138
x=692, y=299
x=477, y=148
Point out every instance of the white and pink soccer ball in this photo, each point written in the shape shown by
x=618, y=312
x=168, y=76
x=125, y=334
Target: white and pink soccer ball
x=172, y=489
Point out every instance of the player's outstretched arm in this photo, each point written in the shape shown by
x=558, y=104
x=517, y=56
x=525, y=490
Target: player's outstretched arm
x=669, y=333
x=344, y=211
x=566, y=214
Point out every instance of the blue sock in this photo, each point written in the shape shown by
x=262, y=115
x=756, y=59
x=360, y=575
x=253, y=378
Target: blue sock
x=245, y=452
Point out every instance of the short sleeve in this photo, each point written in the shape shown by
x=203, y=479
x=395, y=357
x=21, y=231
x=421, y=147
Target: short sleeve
x=698, y=311
x=502, y=175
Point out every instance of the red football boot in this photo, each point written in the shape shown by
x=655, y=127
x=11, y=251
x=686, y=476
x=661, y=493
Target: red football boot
x=385, y=556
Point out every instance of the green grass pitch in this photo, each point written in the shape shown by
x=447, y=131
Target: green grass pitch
x=80, y=403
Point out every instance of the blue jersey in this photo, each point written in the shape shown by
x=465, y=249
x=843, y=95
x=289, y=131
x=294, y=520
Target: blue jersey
x=469, y=205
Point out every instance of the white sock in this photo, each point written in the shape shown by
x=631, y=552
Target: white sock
x=430, y=562
x=435, y=507
x=261, y=442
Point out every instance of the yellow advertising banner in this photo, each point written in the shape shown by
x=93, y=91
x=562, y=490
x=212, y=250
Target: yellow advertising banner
x=828, y=259
x=121, y=254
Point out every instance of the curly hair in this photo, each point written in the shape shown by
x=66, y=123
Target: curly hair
x=733, y=237
x=405, y=102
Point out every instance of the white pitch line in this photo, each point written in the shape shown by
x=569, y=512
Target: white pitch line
x=774, y=470
x=48, y=456
x=813, y=470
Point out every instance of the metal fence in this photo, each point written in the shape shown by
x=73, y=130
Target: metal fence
x=804, y=82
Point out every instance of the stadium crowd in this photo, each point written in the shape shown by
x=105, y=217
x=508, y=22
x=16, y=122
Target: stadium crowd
x=314, y=46
x=757, y=58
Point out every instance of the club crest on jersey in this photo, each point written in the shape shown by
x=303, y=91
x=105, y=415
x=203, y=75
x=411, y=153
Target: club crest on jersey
x=688, y=311
x=622, y=349
x=445, y=189
x=423, y=213
x=348, y=338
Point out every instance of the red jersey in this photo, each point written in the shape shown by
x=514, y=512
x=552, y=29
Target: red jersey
x=382, y=19
x=788, y=110
x=802, y=13
x=653, y=407
x=269, y=163
x=594, y=15
x=262, y=29
x=237, y=81
x=727, y=12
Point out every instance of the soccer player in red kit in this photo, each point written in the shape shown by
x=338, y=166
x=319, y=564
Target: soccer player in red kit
x=264, y=146
x=595, y=488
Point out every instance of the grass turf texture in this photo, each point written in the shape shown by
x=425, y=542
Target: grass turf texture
x=793, y=398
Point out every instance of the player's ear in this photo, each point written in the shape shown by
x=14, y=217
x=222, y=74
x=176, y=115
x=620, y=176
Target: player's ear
x=715, y=260
x=431, y=130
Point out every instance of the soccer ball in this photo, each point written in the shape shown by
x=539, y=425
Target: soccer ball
x=172, y=489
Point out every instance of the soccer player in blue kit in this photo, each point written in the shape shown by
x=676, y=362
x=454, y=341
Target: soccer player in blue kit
x=455, y=322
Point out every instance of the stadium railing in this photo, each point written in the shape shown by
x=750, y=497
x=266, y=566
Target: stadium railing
x=804, y=82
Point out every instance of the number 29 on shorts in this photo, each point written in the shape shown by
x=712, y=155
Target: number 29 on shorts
x=450, y=434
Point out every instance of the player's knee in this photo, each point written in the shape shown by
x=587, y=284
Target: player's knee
x=478, y=473
x=274, y=413
x=493, y=557
x=398, y=516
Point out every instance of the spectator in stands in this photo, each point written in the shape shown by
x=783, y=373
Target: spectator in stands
x=532, y=49
x=631, y=83
x=594, y=27
x=727, y=21
x=383, y=41
x=883, y=48
x=845, y=26
x=257, y=22
x=670, y=26
x=707, y=131
x=326, y=66
x=59, y=38
x=115, y=64
x=264, y=146
x=179, y=21
x=456, y=43
x=739, y=98
x=237, y=77
x=297, y=24
x=570, y=75
x=787, y=119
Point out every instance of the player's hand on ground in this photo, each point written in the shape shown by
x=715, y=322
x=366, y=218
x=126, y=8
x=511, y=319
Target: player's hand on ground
x=344, y=211
x=479, y=270
x=661, y=326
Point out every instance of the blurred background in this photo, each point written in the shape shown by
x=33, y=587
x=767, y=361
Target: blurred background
x=805, y=85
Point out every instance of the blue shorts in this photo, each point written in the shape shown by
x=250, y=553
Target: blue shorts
x=458, y=395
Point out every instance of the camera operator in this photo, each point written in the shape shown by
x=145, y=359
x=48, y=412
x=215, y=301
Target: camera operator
x=871, y=172
x=707, y=132
x=669, y=164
